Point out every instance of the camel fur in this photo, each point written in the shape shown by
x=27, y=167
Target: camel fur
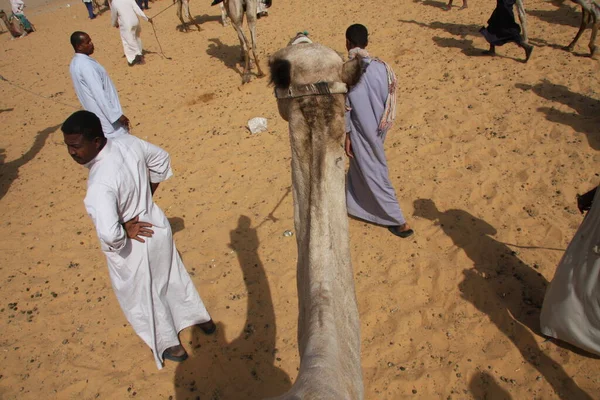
x=328, y=320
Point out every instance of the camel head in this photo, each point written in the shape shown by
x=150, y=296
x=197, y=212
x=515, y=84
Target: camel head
x=296, y=67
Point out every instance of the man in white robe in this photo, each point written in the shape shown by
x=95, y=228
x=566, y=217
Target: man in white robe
x=571, y=310
x=149, y=279
x=94, y=88
x=124, y=15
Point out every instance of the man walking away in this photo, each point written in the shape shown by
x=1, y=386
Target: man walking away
x=124, y=15
x=371, y=109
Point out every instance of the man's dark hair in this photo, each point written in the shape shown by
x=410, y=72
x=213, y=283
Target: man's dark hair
x=83, y=123
x=358, y=35
x=76, y=39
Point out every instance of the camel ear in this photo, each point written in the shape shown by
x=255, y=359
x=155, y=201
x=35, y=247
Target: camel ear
x=281, y=73
x=352, y=71
x=281, y=78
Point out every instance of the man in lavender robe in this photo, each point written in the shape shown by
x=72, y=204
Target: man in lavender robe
x=371, y=109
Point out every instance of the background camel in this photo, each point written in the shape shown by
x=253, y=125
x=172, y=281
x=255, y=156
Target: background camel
x=235, y=10
x=310, y=80
x=590, y=12
x=183, y=10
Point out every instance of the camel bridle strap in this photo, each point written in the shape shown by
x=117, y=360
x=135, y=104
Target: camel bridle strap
x=312, y=89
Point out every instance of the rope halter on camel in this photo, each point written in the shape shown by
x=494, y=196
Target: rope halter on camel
x=312, y=89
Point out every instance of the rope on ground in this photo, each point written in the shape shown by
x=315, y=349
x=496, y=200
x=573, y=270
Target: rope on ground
x=162, y=53
x=37, y=94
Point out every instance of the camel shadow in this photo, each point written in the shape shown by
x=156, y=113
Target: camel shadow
x=6, y=110
x=586, y=117
x=202, y=19
x=229, y=55
x=460, y=30
x=433, y=3
x=503, y=287
x=243, y=368
x=177, y=224
x=9, y=171
x=484, y=386
x=562, y=15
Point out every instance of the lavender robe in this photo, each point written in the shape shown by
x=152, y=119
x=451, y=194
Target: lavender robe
x=369, y=192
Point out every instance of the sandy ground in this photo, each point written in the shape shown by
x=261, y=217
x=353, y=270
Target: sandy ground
x=487, y=155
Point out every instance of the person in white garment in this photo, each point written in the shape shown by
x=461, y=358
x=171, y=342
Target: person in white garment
x=148, y=276
x=94, y=88
x=571, y=309
x=124, y=15
x=18, y=8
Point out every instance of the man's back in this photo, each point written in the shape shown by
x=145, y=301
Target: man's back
x=367, y=98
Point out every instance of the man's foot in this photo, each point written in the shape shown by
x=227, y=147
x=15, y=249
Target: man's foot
x=402, y=231
x=528, y=50
x=175, y=353
x=489, y=52
x=215, y=2
x=208, y=327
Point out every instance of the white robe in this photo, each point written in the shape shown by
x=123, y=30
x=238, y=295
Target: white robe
x=97, y=94
x=571, y=310
x=17, y=6
x=150, y=281
x=126, y=12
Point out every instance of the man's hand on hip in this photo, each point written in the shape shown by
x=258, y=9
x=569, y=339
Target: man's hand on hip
x=136, y=229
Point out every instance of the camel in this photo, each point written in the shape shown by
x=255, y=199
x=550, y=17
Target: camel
x=183, y=10
x=235, y=10
x=590, y=12
x=310, y=81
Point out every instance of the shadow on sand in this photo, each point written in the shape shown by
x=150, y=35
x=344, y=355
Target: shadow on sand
x=10, y=171
x=177, y=224
x=243, y=368
x=503, y=287
x=586, y=117
x=484, y=386
x=229, y=55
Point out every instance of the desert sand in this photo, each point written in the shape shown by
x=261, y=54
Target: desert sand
x=486, y=155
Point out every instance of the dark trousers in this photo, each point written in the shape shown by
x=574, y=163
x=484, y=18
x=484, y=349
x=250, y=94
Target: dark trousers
x=142, y=3
x=90, y=9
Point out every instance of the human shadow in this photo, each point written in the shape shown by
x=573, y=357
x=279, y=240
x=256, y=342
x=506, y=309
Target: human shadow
x=586, y=117
x=483, y=386
x=503, y=287
x=229, y=55
x=460, y=30
x=10, y=171
x=466, y=47
x=177, y=224
x=243, y=368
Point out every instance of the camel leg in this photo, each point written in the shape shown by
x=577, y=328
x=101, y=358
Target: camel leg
x=245, y=51
x=252, y=26
x=188, y=14
x=584, y=17
x=592, y=44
